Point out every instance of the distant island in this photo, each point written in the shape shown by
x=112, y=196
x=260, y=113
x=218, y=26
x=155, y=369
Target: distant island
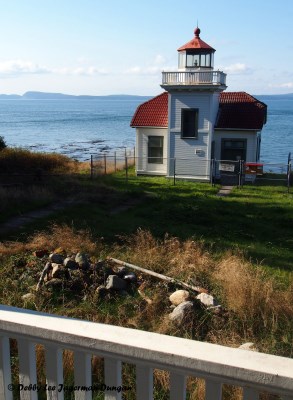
x=61, y=96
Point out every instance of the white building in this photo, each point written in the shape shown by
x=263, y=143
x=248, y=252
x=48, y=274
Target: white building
x=195, y=121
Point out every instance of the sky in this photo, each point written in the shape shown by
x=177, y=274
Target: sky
x=97, y=47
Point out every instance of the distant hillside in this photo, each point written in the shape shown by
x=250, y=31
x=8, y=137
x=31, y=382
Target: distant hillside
x=263, y=97
x=60, y=96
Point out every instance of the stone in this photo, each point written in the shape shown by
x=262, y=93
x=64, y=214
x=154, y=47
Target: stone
x=181, y=311
x=122, y=271
x=248, y=346
x=207, y=300
x=82, y=261
x=179, y=297
x=57, y=270
x=41, y=253
x=101, y=291
x=116, y=283
x=56, y=258
x=54, y=283
x=130, y=277
x=70, y=264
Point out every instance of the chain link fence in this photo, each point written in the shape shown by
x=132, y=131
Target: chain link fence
x=224, y=172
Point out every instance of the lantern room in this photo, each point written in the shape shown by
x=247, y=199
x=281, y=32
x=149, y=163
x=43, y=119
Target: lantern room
x=196, y=55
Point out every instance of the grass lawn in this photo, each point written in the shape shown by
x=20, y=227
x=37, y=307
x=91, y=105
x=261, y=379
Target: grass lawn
x=256, y=220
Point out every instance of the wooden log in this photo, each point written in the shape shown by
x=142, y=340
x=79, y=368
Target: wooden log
x=160, y=276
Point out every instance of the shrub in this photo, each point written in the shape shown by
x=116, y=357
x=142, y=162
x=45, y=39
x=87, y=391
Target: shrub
x=3, y=145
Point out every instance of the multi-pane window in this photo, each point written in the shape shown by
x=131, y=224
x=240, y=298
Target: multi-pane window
x=155, y=149
x=189, y=123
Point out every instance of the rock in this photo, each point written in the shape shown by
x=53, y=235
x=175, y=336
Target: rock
x=101, y=291
x=181, y=311
x=70, y=264
x=116, y=283
x=179, y=297
x=130, y=277
x=248, y=346
x=54, y=283
x=82, y=261
x=122, y=271
x=57, y=270
x=41, y=253
x=207, y=300
x=29, y=297
x=56, y=258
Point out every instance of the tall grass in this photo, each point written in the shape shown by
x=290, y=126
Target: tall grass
x=17, y=160
x=255, y=306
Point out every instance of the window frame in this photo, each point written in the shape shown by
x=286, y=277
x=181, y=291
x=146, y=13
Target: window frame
x=183, y=123
x=155, y=159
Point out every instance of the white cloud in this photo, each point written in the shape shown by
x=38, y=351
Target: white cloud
x=81, y=71
x=154, y=68
x=287, y=85
x=236, y=69
x=20, y=67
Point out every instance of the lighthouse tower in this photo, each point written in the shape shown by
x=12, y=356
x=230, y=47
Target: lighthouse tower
x=194, y=91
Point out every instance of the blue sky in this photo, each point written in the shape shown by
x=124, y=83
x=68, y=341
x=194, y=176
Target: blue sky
x=113, y=47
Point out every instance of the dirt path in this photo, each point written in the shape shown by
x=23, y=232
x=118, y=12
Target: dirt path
x=24, y=219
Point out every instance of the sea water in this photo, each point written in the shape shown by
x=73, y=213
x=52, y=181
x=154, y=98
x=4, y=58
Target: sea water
x=79, y=128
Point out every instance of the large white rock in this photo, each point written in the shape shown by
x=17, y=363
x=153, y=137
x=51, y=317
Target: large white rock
x=207, y=299
x=178, y=314
x=179, y=297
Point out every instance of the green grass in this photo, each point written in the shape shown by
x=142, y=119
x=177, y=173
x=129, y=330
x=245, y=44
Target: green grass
x=256, y=220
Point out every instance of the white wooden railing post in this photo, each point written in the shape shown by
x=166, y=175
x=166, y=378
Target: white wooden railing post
x=82, y=375
x=144, y=383
x=112, y=371
x=54, y=372
x=5, y=369
x=177, y=386
x=27, y=369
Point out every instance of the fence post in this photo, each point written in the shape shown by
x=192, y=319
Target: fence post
x=91, y=166
x=134, y=156
x=174, y=177
x=105, y=164
x=115, y=162
x=126, y=169
x=212, y=172
x=289, y=172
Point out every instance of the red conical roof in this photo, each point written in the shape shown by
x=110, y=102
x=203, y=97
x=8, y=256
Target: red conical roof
x=196, y=43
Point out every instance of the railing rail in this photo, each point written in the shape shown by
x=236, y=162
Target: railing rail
x=255, y=372
x=194, y=78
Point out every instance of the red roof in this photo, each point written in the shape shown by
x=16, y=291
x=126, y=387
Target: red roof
x=196, y=43
x=237, y=110
x=152, y=113
x=240, y=110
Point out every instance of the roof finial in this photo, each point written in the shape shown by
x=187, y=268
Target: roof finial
x=197, y=30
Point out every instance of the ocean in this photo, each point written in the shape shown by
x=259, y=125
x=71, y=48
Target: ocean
x=80, y=127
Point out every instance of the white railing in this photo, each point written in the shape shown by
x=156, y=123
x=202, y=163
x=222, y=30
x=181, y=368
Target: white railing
x=255, y=372
x=194, y=78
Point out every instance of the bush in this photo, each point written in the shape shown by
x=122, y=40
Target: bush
x=3, y=145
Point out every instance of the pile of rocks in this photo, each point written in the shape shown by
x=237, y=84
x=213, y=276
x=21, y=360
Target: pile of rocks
x=78, y=273
x=184, y=304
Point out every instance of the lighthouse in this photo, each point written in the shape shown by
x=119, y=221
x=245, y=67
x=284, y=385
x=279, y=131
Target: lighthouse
x=195, y=120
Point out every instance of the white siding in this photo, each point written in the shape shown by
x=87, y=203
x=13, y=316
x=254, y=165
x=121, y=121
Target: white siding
x=192, y=100
x=142, y=165
x=250, y=136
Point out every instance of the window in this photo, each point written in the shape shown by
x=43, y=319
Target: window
x=155, y=149
x=189, y=123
